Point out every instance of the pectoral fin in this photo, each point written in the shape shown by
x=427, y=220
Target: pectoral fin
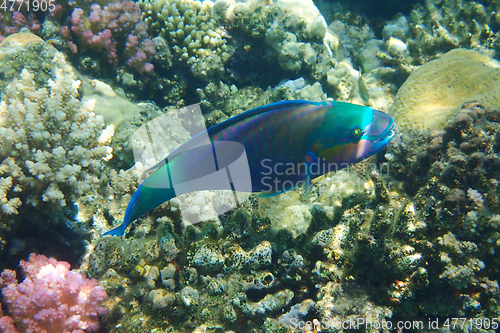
x=270, y=194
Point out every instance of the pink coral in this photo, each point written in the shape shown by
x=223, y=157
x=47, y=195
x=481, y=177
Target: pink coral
x=6, y=323
x=52, y=298
x=12, y=22
x=117, y=30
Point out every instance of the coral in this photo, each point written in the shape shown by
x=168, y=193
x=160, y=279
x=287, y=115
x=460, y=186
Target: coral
x=6, y=323
x=452, y=24
x=189, y=296
x=333, y=301
x=13, y=21
x=220, y=101
x=353, y=37
x=115, y=30
x=161, y=298
x=290, y=34
x=341, y=78
x=431, y=29
x=208, y=259
x=297, y=311
x=305, y=9
x=368, y=55
x=354, y=71
x=291, y=53
x=105, y=39
x=52, y=298
x=454, y=186
x=270, y=303
x=190, y=32
x=25, y=50
x=437, y=90
x=53, y=152
x=426, y=222
x=475, y=197
x=222, y=271
x=393, y=54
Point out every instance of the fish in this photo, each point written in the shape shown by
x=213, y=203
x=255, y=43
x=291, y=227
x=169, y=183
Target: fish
x=283, y=145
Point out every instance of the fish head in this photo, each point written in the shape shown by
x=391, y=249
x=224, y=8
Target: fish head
x=377, y=134
x=351, y=133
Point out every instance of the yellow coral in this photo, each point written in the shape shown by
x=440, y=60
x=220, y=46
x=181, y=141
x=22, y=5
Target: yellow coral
x=436, y=90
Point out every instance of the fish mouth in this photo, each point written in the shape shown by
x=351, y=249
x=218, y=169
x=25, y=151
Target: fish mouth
x=385, y=138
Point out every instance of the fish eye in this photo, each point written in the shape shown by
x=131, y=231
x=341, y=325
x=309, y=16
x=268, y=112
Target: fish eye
x=357, y=132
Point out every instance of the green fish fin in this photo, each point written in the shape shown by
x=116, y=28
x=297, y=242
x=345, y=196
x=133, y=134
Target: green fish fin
x=270, y=194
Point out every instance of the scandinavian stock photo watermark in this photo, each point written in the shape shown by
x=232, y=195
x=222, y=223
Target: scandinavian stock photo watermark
x=273, y=172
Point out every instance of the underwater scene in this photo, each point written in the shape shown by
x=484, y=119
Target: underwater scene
x=260, y=166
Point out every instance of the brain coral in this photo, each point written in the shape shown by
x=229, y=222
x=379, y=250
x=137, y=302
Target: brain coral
x=436, y=90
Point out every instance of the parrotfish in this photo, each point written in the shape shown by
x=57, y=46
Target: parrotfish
x=286, y=144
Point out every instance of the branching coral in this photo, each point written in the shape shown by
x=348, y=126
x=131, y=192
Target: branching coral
x=192, y=34
x=117, y=30
x=51, y=298
x=13, y=22
x=52, y=149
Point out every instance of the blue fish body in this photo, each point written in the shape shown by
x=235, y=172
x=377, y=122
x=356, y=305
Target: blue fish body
x=285, y=144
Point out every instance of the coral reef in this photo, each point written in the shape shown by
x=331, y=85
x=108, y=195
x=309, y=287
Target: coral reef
x=51, y=298
x=214, y=283
x=427, y=223
x=436, y=90
x=25, y=50
x=219, y=102
x=105, y=39
x=124, y=41
x=431, y=29
x=296, y=37
x=453, y=186
x=411, y=235
x=53, y=152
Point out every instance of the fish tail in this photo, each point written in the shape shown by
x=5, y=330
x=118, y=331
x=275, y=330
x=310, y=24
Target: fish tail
x=120, y=230
x=144, y=200
x=116, y=231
